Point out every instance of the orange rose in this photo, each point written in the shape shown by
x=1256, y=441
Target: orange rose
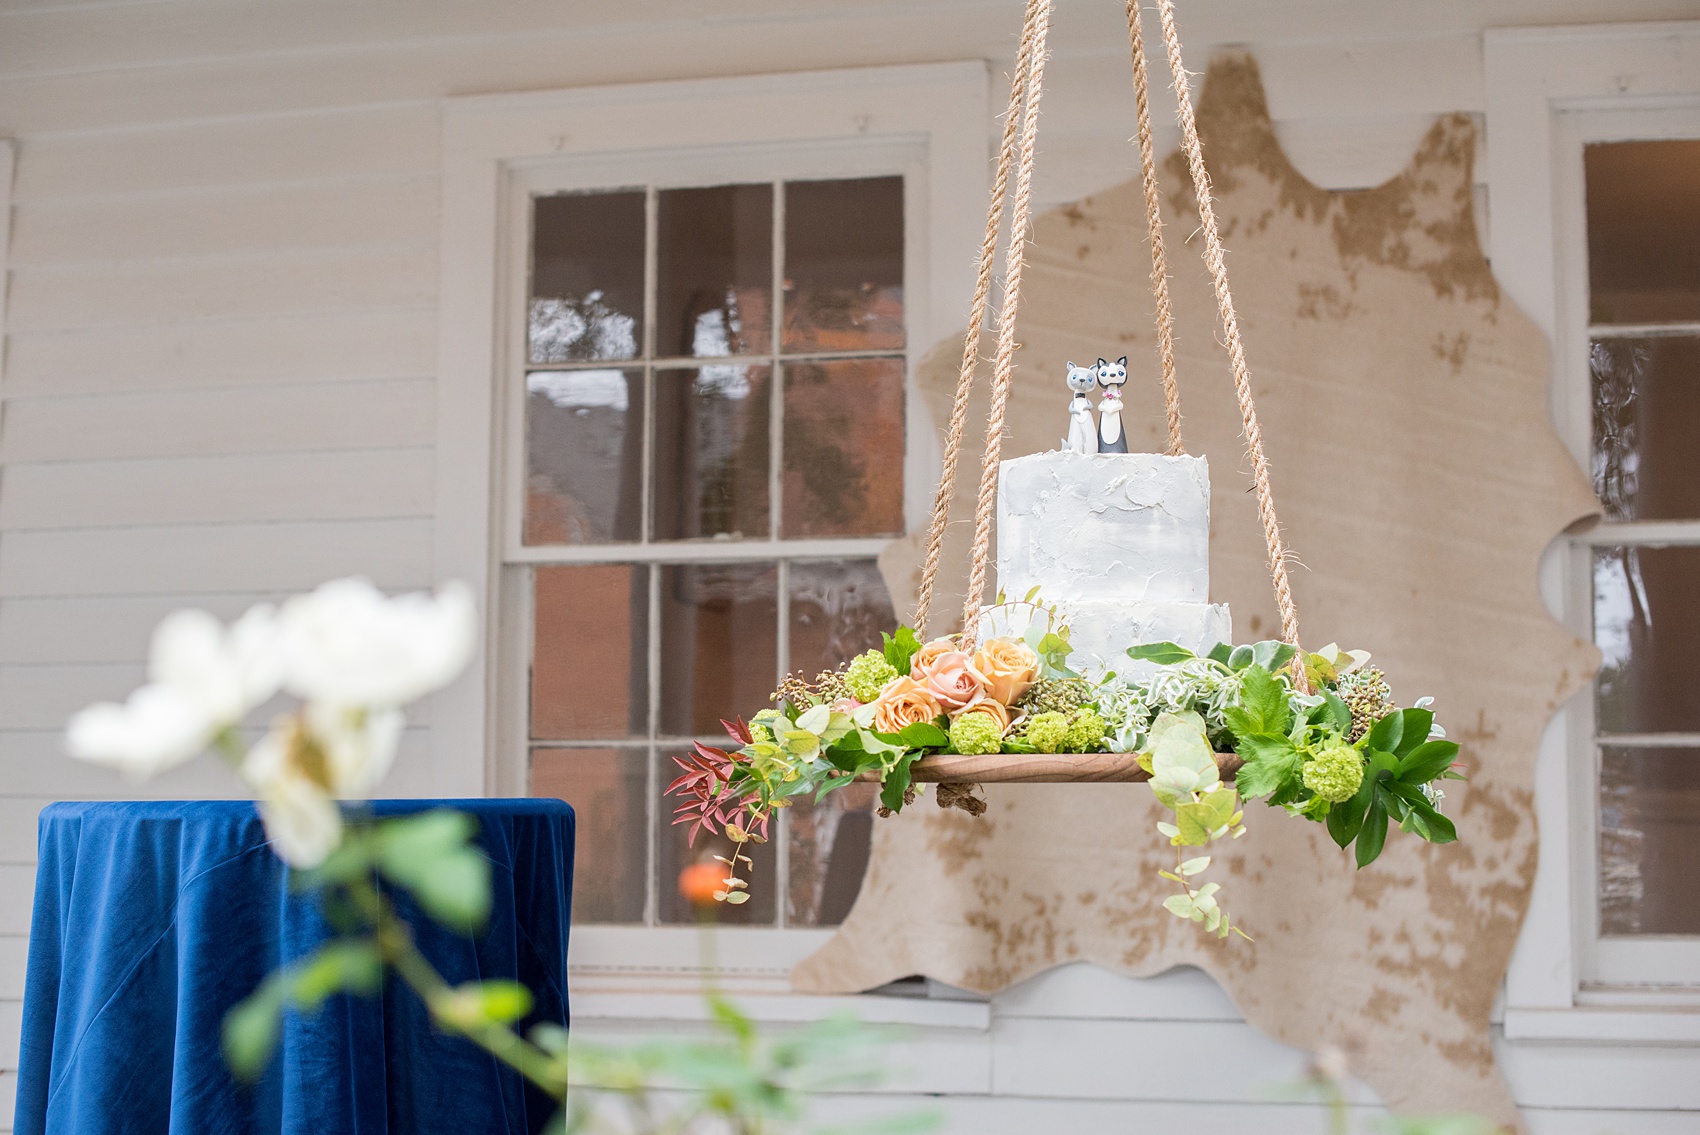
x=953, y=680
x=991, y=707
x=904, y=702
x=927, y=657
x=1009, y=666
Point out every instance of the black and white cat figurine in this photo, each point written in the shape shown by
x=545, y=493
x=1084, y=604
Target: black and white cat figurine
x=1112, y=438
x=1082, y=430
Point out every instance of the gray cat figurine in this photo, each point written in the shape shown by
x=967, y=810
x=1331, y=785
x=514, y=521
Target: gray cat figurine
x=1082, y=431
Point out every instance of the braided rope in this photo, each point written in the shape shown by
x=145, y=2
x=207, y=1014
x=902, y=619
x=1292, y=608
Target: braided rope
x=976, y=317
x=1020, y=226
x=1217, y=262
x=1154, y=218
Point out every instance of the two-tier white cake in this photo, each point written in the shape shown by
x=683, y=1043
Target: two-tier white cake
x=1119, y=543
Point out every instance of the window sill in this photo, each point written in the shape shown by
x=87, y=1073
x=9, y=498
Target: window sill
x=782, y=1008
x=1666, y=1025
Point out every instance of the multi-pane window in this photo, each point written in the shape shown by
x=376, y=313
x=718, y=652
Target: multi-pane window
x=1643, y=227
x=714, y=397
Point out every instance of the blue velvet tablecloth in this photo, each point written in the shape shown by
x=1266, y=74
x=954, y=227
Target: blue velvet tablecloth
x=152, y=919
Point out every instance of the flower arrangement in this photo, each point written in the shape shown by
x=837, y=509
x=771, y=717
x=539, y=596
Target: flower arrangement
x=1316, y=734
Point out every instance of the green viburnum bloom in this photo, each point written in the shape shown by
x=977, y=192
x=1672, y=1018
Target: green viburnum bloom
x=760, y=734
x=974, y=733
x=1085, y=732
x=1060, y=695
x=1048, y=732
x=867, y=675
x=1335, y=773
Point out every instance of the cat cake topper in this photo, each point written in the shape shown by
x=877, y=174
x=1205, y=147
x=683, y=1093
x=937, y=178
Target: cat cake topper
x=1082, y=430
x=1112, y=438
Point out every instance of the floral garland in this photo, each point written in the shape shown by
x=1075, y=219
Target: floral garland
x=1334, y=748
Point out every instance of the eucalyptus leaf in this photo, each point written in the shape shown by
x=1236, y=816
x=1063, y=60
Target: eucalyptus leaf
x=1162, y=653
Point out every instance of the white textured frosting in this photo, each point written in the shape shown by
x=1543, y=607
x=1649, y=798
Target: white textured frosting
x=1105, y=526
x=1100, y=632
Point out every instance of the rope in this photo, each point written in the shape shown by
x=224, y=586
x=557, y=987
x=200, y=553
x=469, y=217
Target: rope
x=1020, y=225
x=1154, y=218
x=1217, y=262
x=976, y=316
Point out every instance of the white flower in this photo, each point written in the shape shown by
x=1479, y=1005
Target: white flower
x=347, y=644
x=359, y=745
x=158, y=727
x=226, y=672
x=301, y=817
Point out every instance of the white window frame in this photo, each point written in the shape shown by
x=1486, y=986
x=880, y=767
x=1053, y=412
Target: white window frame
x=1549, y=91
x=496, y=149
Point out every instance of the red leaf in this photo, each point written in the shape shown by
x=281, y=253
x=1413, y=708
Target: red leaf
x=738, y=730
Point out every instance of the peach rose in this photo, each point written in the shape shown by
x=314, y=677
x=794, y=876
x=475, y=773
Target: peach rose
x=991, y=707
x=904, y=702
x=953, y=680
x=927, y=657
x=1009, y=666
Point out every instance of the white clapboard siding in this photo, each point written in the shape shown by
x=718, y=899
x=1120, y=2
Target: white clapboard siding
x=90, y=628
x=330, y=485
x=262, y=350
x=18, y=816
x=283, y=283
x=14, y=955
x=44, y=697
x=370, y=141
x=212, y=558
x=391, y=414
x=241, y=219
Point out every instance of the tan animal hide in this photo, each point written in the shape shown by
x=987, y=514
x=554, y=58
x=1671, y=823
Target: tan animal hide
x=1418, y=478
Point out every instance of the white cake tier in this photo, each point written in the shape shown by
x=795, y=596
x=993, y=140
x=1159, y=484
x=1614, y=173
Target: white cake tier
x=1100, y=632
x=1131, y=527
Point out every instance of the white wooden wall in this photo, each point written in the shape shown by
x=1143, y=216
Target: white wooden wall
x=221, y=332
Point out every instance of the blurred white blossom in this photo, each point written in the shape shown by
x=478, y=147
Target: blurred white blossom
x=158, y=727
x=227, y=672
x=348, y=644
x=301, y=815
x=359, y=745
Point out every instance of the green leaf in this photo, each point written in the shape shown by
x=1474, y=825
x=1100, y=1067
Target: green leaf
x=1220, y=653
x=1384, y=734
x=897, y=782
x=503, y=1002
x=1162, y=653
x=1433, y=826
x=1194, y=866
x=1373, y=835
x=1427, y=761
x=1179, y=905
x=1270, y=761
x=737, y=897
x=1241, y=657
x=1346, y=819
x=353, y=967
x=901, y=648
x=923, y=735
x=1263, y=705
x=1414, y=730
x=1335, y=712
x=251, y=1029
x=1032, y=594
x=1272, y=654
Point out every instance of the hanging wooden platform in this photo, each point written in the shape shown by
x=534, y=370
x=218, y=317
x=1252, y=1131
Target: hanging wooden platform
x=1043, y=768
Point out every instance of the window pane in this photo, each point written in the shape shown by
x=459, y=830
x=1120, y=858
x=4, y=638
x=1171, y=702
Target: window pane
x=719, y=644
x=1649, y=841
x=583, y=456
x=828, y=845
x=844, y=265
x=839, y=608
x=843, y=430
x=607, y=789
x=1647, y=622
x=587, y=277
x=589, y=656
x=763, y=907
x=1644, y=230
x=711, y=449
x=714, y=273
x=1646, y=415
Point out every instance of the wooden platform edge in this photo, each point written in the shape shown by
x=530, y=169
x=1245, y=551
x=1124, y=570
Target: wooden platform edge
x=1043, y=768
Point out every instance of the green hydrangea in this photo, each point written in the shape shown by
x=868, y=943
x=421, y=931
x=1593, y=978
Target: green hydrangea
x=867, y=675
x=974, y=733
x=1335, y=773
x=1085, y=732
x=760, y=734
x=1048, y=732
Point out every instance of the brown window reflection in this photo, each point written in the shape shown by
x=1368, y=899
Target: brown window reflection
x=1644, y=231
x=676, y=855
x=1647, y=622
x=1649, y=841
x=844, y=265
x=711, y=452
x=715, y=271
x=584, y=456
x=608, y=789
x=843, y=432
x=828, y=849
x=719, y=644
x=587, y=277
x=839, y=608
x=590, y=656
x=1646, y=416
